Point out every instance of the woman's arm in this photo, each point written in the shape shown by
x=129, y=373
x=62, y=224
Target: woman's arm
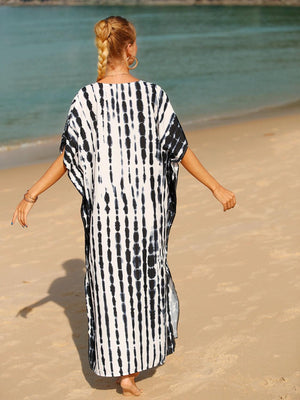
x=52, y=175
x=195, y=168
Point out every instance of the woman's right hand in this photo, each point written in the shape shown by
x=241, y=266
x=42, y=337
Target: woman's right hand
x=225, y=197
x=52, y=175
x=21, y=212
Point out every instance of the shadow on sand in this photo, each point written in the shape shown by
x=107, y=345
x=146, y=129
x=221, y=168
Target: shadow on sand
x=68, y=293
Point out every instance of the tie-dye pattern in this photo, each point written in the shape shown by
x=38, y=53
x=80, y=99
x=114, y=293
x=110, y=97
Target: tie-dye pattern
x=123, y=143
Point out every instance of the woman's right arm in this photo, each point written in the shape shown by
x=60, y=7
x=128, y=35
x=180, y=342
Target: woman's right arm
x=192, y=164
x=52, y=175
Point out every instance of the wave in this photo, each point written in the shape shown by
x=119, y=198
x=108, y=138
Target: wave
x=27, y=143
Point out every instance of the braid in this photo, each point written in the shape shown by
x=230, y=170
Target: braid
x=102, y=30
x=112, y=36
x=102, y=58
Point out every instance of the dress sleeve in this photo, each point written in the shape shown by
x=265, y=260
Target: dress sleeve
x=70, y=141
x=173, y=138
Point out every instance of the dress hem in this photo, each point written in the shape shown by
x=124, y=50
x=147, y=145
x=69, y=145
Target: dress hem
x=138, y=370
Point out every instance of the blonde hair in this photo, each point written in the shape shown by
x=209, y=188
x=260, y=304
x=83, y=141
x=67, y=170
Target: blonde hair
x=112, y=36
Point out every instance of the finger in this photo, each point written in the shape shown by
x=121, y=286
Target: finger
x=17, y=212
x=230, y=204
x=25, y=221
x=227, y=204
x=20, y=217
x=23, y=218
x=14, y=216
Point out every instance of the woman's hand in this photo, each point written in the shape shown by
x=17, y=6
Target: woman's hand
x=52, y=175
x=226, y=197
x=191, y=162
x=21, y=213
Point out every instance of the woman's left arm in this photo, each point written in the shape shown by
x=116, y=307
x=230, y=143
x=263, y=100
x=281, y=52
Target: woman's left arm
x=52, y=175
x=193, y=165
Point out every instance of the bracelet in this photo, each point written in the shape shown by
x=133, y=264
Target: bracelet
x=31, y=199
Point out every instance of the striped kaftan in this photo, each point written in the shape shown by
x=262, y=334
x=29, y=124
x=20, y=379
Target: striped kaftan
x=123, y=143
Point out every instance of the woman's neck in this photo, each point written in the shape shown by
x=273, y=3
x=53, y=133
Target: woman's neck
x=118, y=76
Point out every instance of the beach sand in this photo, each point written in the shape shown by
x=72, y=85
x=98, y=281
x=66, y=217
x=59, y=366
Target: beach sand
x=235, y=273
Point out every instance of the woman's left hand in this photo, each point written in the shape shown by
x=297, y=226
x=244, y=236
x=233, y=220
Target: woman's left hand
x=225, y=196
x=21, y=213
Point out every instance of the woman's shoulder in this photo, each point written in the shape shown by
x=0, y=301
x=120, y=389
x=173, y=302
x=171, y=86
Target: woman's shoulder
x=154, y=87
x=160, y=94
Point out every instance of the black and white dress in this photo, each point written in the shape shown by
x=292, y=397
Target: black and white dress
x=123, y=143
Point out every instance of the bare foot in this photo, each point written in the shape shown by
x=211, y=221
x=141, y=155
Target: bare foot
x=129, y=386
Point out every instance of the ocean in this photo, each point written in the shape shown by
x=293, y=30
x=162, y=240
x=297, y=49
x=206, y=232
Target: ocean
x=215, y=62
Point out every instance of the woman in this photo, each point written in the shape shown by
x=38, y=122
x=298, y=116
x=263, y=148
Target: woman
x=122, y=144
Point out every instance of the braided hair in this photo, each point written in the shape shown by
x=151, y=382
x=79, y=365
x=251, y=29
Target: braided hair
x=112, y=36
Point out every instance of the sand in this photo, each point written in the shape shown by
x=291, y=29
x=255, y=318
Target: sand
x=235, y=273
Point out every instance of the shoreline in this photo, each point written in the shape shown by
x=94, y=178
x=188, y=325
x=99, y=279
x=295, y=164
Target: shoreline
x=46, y=149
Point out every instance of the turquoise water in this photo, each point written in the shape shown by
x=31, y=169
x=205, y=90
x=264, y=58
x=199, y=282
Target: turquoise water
x=212, y=61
